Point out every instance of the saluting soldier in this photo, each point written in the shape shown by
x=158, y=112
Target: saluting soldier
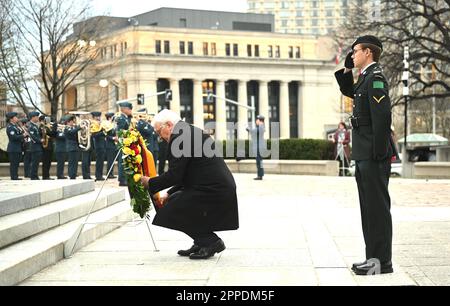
x=60, y=151
x=26, y=149
x=123, y=123
x=371, y=122
x=99, y=140
x=73, y=150
x=111, y=149
x=36, y=144
x=16, y=138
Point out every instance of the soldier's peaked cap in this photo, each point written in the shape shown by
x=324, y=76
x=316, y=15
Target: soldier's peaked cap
x=368, y=39
x=126, y=104
x=11, y=115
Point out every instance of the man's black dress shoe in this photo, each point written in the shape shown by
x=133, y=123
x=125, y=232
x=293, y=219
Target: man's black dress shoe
x=258, y=178
x=62, y=178
x=195, y=248
x=112, y=177
x=123, y=184
x=16, y=179
x=206, y=252
x=101, y=179
x=47, y=179
x=87, y=178
x=370, y=268
x=358, y=264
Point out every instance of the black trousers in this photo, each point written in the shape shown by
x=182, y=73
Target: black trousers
x=99, y=163
x=14, y=161
x=86, y=164
x=46, y=163
x=372, y=178
x=35, y=160
x=203, y=239
x=73, y=158
x=60, y=161
x=110, y=155
x=259, y=165
x=26, y=164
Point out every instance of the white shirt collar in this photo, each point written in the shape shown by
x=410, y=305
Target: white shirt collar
x=365, y=68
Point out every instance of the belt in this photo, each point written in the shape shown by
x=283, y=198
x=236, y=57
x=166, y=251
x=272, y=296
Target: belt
x=356, y=122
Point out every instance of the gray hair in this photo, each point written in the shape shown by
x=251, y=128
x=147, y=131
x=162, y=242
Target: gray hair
x=165, y=116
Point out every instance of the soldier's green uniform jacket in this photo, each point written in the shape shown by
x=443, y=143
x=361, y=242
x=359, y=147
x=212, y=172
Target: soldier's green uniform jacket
x=371, y=120
x=71, y=134
x=123, y=122
x=36, y=137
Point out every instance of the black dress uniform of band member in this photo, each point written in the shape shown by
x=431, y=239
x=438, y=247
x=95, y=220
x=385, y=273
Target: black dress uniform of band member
x=150, y=136
x=371, y=149
x=203, y=197
x=73, y=150
x=36, y=144
x=26, y=149
x=50, y=132
x=16, y=139
x=99, y=141
x=123, y=123
x=111, y=148
x=86, y=156
x=258, y=144
x=60, y=151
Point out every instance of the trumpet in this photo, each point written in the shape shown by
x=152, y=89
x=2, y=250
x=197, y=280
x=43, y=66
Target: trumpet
x=84, y=135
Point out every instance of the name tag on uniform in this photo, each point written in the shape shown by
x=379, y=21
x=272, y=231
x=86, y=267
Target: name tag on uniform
x=378, y=85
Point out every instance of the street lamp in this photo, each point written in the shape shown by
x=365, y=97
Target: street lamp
x=405, y=77
x=103, y=83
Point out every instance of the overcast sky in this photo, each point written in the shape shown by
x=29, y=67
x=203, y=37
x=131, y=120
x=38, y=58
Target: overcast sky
x=128, y=8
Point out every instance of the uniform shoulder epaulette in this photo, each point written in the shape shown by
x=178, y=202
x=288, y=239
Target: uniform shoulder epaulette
x=378, y=73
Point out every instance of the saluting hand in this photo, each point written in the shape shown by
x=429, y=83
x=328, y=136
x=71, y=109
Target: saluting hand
x=349, y=61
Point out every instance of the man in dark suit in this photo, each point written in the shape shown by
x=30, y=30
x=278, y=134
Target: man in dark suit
x=60, y=151
x=16, y=138
x=371, y=149
x=36, y=145
x=203, y=198
x=26, y=148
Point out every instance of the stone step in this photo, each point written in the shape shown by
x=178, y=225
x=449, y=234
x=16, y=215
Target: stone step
x=25, y=258
x=24, y=224
x=17, y=196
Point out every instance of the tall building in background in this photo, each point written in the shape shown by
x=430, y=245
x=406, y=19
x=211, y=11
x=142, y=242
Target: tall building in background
x=312, y=17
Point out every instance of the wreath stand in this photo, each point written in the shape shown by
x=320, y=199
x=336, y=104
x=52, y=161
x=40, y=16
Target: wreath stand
x=69, y=245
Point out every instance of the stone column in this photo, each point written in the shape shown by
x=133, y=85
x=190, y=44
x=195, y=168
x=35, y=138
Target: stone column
x=198, y=104
x=150, y=88
x=284, y=110
x=221, y=113
x=175, y=103
x=242, y=112
x=264, y=105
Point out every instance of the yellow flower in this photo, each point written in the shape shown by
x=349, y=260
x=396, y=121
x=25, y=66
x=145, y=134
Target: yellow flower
x=127, y=141
x=127, y=151
x=139, y=159
x=137, y=177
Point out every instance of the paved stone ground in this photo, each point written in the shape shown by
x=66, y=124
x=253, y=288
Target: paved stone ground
x=295, y=230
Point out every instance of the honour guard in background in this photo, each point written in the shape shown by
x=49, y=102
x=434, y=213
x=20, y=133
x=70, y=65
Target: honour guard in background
x=16, y=138
x=48, y=131
x=99, y=141
x=73, y=150
x=60, y=150
x=371, y=149
x=36, y=144
x=123, y=122
x=111, y=138
x=148, y=133
x=25, y=123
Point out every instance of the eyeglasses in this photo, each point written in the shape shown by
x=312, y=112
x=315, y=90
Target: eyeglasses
x=158, y=131
x=356, y=50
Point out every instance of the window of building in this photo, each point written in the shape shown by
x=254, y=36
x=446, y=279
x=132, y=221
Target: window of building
x=256, y=50
x=269, y=5
x=315, y=31
x=299, y=4
x=235, y=50
x=328, y=3
x=291, y=52
x=284, y=23
x=299, y=14
x=315, y=13
x=299, y=22
x=314, y=4
x=249, y=50
x=270, y=51
x=344, y=3
x=227, y=50
x=183, y=23
x=158, y=46
x=300, y=31
x=330, y=22
x=190, y=48
x=277, y=51
x=284, y=4
x=182, y=47
x=297, y=52
x=251, y=6
x=329, y=13
x=314, y=22
x=167, y=47
x=213, y=49
x=111, y=52
x=284, y=14
x=205, y=48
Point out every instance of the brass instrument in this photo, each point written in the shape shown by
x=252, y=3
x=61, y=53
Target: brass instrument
x=107, y=126
x=84, y=135
x=45, y=137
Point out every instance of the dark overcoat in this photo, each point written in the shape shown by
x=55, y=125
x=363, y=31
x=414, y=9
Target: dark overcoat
x=203, y=194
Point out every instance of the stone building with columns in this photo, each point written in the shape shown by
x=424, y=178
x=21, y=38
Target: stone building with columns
x=236, y=55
